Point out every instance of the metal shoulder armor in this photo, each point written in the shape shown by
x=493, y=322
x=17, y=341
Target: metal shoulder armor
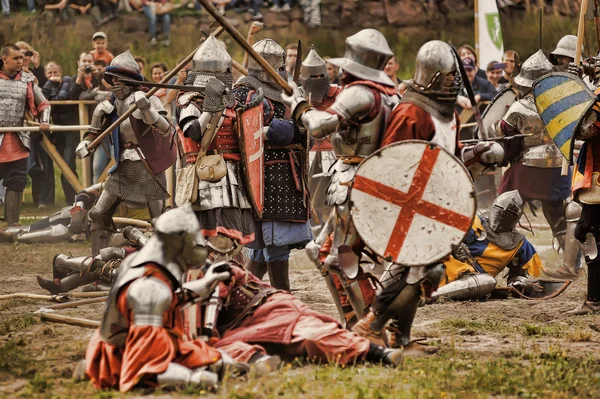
x=354, y=102
x=149, y=298
x=523, y=116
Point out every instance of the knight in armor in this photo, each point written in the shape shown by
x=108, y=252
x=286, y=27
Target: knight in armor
x=142, y=146
x=315, y=85
x=18, y=94
x=491, y=245
x=564, y=53
x=284, y=224
x=586, y=192
x=207, y=120
x=91, y=273
x=140, y=339
x=251, y=314
x=536, y=171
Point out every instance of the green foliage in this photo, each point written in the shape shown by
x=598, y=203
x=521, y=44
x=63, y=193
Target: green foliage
x=17, y=323
x=14, y=360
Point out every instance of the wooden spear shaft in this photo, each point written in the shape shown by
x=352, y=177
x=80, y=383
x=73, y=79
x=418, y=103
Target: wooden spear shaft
x=237, y=36
x=151, y=92
x=73, y=321
x=74, y=304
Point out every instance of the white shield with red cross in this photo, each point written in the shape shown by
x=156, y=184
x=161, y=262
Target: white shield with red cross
x=411, y=202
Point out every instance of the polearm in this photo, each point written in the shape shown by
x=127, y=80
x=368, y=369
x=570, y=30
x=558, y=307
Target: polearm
x=53, y=128
x=150, y=93
x=237, y=36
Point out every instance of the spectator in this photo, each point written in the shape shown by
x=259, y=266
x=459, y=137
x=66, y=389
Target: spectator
x=221, y=4
x=466, y=51
x=291, y=54
x=332, y=72
x=141, y=63
x=60, y=6
x=157, y=71
x=103, y=89
x=277, y=7
x=81, y=6
x=391, y=69
x=31, y=62
x=85, y=86
x=484, y=91
x=312, y=12
x=58, y=88
x=180, y=79
x=254, y=10
x=108, y=8
x=100, y=45
x=513, y=65
x=151, y=10
x=6, y=8
x=494, y=73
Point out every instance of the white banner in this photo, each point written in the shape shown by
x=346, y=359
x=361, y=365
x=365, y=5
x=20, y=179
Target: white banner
x=489, y=30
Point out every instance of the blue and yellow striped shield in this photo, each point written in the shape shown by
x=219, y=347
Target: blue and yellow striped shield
x=562, y=100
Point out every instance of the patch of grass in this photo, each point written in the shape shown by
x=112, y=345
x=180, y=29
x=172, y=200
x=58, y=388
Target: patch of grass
x=579, y=335
x=17, y=323
x=537, y=330
x=13, y=358
x=14, y=302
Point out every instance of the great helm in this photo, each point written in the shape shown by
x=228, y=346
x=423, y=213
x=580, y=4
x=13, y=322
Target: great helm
x=211, y=60
x=367, y=53
x=506, y=211
x=314, y=78
x=274, y=54
x=436, y=72
x=123, y=66
x=566, y=46
x=532, y=69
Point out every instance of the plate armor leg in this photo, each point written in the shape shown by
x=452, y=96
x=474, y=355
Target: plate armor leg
x=102, y=226
x=554, y=212
x=279, y=274
x=12, y=206
x=572, y=254
x=155, y=208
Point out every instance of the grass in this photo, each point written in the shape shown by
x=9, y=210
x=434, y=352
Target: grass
x=17, y=323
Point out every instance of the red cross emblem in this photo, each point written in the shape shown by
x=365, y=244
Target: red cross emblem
x=408, y=204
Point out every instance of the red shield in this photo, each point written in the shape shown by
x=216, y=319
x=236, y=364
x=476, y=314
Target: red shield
x=412, y=202
x=250, y=133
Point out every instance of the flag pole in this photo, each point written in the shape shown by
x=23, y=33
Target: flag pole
x=476, y=3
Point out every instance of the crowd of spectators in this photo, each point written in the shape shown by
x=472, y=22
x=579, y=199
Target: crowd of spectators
x=102, y=11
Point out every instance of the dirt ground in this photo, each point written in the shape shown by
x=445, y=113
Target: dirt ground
x=495, y=349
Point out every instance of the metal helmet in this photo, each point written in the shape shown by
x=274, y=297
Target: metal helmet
x=314, y=78
x=436, y=73
x=211, y=60
x=567, y=47
x=274, y=54
x=367, y=53
x=506, y=211
x=532, y=69
x=123, y=66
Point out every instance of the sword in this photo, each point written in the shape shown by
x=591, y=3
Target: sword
x=469, y=88
x=208, y=6
x=298, y=65
x=150, y=93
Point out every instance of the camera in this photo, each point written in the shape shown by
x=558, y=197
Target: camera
x=88, y=69
x=28, y=53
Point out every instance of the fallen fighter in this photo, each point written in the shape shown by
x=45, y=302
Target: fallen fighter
x=140, y=341
x=491, y=245
x=256, y=319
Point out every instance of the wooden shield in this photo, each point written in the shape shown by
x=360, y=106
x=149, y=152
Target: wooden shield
x=495, y=111
x=412, y=202
x=250, y=133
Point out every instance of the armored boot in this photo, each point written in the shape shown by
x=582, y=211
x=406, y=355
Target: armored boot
x=572, y=254
x=364, y=329
x=79, y=372
x=380, y=354
x=262, y=364
x=259, y=269
x=554, y=212
x=12, y=207
x=279, y=274
x=69, y=283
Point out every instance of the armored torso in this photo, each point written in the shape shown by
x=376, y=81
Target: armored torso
x=540, y=150
x=13, y=100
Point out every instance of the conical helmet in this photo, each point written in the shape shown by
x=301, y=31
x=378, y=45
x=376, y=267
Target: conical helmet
x=532, y=69
x=506, y=211
x=274, y=54
x=367, y=53
x=211, y=60
x=313, y=77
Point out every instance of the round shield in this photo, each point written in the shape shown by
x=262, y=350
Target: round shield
x=495, y=111
x=411, y=202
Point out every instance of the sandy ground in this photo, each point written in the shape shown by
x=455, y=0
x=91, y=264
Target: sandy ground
x=37, y=358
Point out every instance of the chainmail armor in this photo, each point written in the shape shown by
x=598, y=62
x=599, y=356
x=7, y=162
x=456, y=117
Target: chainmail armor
x=270, y=91
x=132, y=182
x=316, y=87
x=507, y=240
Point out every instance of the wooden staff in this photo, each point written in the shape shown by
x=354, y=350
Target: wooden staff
x=53, y=128
x=151, y=92
x=73, y=321
x=239, y=67
x=237, y=36
x=59, y=297
x=62, y=165
x=74, y=304
x=132, y=222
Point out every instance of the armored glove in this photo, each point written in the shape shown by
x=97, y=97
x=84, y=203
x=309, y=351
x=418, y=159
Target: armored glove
x=312, y=251
x=295, y=101
x=216, y=96
x=461, y=252
x=82, y=150
x=575, y=69
x=142, y=102
x=203, y=288
x=489, y=153
x=521, y=284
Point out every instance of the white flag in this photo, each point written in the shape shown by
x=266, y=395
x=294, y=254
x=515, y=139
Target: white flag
x=491, y=46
